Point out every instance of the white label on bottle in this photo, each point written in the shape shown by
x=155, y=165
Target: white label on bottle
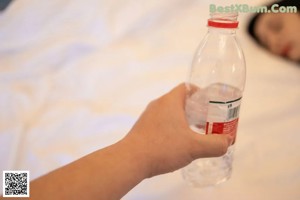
x=223, y=117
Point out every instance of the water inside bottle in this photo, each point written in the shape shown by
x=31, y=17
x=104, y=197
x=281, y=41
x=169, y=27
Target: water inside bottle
x=197, y=103
x=208, y=171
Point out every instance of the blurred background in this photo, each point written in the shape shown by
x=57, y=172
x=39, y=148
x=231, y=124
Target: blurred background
x=75, y=76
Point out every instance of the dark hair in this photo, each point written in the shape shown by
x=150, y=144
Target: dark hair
x=252, y=23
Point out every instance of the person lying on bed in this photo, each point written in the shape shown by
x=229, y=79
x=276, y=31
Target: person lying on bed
x=159, y=142
x=278, y=32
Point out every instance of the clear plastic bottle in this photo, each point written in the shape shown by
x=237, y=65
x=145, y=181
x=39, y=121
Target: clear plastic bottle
x=215, y=83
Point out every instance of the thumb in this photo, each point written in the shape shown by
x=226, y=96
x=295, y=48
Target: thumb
x=211, y=145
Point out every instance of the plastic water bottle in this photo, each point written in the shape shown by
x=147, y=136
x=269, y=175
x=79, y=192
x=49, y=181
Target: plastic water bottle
x=215, y=86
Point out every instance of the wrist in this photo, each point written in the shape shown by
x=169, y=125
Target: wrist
x=137, y=155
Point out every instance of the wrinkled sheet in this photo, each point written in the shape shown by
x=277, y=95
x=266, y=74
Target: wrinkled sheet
x=75, y=76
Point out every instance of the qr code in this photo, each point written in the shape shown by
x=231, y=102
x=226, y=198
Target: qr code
x=15, y=183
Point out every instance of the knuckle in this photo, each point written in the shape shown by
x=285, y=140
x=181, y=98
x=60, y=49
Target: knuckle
x=153, y=103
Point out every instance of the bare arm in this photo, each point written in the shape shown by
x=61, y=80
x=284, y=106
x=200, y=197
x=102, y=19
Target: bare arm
x=160, y=142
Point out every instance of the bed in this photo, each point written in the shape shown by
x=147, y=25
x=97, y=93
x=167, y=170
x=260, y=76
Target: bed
x=76, y=75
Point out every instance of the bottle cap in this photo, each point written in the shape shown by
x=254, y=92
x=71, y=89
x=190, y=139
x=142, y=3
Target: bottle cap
x=222, y=24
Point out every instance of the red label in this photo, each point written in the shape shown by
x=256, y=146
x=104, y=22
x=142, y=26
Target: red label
x=229, y=127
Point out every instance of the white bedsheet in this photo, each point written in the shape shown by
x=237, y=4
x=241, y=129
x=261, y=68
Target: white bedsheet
x=75, y=75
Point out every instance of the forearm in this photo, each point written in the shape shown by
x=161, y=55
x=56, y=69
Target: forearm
x=107, y=174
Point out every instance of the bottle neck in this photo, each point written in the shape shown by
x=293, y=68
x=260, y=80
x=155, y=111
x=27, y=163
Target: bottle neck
x=226, y=31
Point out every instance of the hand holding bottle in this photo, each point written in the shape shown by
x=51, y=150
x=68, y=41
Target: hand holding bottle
x=163, y=136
